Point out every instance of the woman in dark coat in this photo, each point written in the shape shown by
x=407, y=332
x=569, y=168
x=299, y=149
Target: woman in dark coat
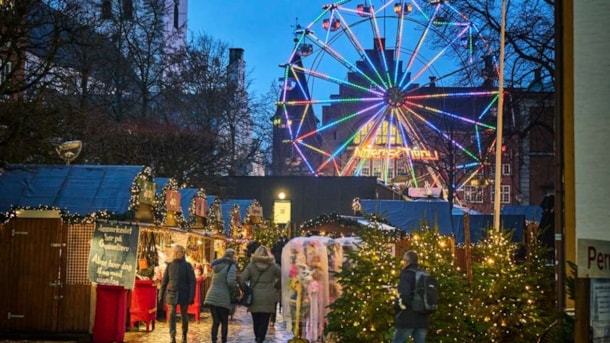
x=218, y=298
x=264, y=277
x=179, y=282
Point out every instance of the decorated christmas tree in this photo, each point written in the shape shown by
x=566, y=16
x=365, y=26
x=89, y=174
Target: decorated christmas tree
x=364, y=312
x=437, y=256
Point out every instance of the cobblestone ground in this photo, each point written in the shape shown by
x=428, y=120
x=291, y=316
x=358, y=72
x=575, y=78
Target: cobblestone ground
x=240, y=330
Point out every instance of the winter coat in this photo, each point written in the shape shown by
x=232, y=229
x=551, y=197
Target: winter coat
x=222, y=279
x=406, y=286
x=266, y=289
x=178, y=283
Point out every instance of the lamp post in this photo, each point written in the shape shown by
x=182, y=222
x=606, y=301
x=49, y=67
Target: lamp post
x=498, y=169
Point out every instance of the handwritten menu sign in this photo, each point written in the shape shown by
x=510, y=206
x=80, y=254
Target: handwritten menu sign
x=112, y=258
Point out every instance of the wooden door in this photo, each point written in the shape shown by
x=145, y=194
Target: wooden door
x=34, y=274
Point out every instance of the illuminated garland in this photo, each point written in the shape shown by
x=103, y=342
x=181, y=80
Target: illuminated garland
x=192, y=207
x=215, y=221
x=134, y=199
x=331, y=218
x=160, y=207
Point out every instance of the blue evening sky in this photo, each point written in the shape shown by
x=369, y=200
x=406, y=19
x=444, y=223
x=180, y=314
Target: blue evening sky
x=263, y=28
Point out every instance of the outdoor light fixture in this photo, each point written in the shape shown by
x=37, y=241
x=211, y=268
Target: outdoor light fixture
x=281, y=195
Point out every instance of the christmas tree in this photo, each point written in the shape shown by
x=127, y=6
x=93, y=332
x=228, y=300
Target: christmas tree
x=364, y=312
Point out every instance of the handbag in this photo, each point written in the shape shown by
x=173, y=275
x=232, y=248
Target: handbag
x=248, y=293
x=234, y=292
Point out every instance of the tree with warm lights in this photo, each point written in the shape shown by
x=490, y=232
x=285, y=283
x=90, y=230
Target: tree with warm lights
x=509, y=299
x=364, y=312
x=268, y=233
x=437, y=256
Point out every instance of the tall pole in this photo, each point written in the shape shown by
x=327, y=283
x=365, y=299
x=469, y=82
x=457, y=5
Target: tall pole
x=498, y=176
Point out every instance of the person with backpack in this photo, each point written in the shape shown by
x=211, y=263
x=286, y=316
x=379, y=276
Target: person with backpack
x=412, y=308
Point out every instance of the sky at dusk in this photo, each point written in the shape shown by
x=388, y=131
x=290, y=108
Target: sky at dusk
x=263, y=28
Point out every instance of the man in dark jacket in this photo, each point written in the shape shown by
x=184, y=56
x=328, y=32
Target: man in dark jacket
x=408, y=322
x=179, y=282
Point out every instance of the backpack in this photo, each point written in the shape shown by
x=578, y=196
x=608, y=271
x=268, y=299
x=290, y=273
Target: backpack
x=426, y=293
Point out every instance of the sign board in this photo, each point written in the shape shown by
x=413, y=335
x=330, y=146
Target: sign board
x=201, y=207
x=599, y=310
x=255, y=210
x=147, y=192
x=593, y=258
x=424, y=192
x=113, y=255
x=281, y=211
x=172, y=201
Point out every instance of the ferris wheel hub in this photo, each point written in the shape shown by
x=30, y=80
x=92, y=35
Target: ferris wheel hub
x=394, y=97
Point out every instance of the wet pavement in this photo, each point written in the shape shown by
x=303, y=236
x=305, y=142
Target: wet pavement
x=240, y=330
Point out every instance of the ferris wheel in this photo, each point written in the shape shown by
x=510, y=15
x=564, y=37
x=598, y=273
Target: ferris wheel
x=398, y=90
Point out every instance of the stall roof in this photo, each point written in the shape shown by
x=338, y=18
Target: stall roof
x=531, y=213
x=84, y=189
x=81, y=189
x=409, y=215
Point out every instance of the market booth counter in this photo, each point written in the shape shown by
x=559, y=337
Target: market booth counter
x=143, y=306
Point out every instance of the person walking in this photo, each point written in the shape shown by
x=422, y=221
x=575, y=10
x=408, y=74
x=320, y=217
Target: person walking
x=407, y=322
x=218, y=298
x=263, y=276
x=178, y=287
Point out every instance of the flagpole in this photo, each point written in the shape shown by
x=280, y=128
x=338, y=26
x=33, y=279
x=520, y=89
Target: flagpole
x=499, y=129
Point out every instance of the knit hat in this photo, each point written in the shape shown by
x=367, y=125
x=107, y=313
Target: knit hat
x=229, y=253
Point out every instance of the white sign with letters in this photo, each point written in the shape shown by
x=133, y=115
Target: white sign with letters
x=593, y=258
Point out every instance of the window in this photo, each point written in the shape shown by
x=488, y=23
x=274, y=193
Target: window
x=386, y=132
x=365, y=171
x=473, y=194
x=505, y=168
x=504, y=194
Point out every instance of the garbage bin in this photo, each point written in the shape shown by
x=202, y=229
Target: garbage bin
x=110, y=313
x=143, y=307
